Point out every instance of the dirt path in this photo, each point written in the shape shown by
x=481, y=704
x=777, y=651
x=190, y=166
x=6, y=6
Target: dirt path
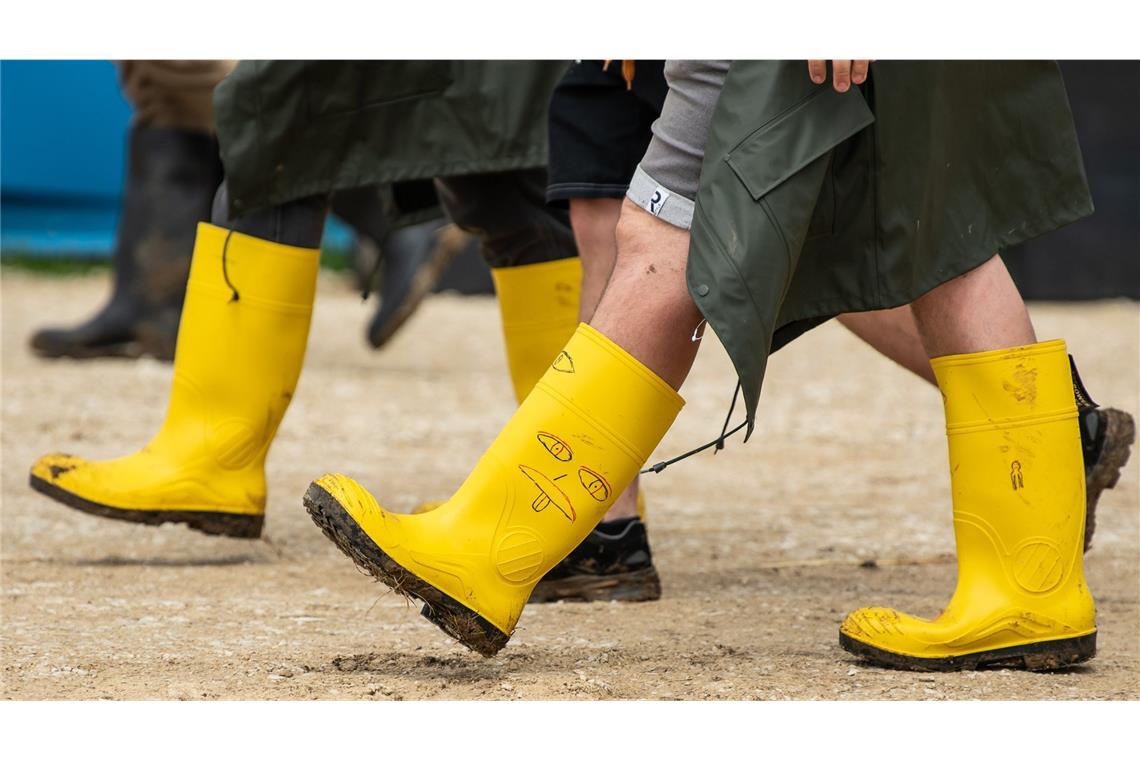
x=760, y=548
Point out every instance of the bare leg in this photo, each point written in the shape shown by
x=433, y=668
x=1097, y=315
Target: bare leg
x=595, y=223
x=979, y=311
x=646, y=308
x=893, y=333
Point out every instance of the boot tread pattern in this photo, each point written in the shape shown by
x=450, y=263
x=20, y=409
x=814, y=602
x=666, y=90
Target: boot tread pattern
x=1119, y=435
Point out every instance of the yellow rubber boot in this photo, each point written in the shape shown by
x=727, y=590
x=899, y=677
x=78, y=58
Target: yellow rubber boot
x=235, y=369
x=1017, y=483
x=574, y=444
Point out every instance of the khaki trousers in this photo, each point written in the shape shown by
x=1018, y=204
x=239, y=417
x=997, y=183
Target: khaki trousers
x=173, y=94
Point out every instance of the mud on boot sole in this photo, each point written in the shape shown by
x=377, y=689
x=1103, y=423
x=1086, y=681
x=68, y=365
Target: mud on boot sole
x=1044, y=655
x=635, y=586
x=464, y=625
x=1119, y=435
x=213, y=523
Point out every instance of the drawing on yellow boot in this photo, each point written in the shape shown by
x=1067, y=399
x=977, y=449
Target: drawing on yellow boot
x=548, y=493
x=563, y=363
x=595, y=485
x=557, y=447
x=1015, y=475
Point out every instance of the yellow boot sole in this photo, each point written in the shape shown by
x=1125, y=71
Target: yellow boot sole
x=1040, y=655
x=212, y=522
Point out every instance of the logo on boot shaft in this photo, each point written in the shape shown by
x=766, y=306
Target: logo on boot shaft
x=1038, y=567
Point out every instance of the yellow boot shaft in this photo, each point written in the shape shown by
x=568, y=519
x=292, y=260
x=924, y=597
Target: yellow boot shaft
x=571, y=448
x=235, y=370
x=538, y=304
x=1017, y=484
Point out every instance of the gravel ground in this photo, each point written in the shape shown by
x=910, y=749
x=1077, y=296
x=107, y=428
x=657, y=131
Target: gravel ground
x=762, y=549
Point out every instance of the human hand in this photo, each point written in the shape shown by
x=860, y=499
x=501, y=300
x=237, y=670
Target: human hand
x=844, y=73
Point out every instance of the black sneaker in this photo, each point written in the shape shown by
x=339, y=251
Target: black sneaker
x=1106, y=441
x=613, y=564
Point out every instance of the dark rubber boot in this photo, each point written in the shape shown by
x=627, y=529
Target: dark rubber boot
x=407, y=262
x=171, y=178
x=411, y=262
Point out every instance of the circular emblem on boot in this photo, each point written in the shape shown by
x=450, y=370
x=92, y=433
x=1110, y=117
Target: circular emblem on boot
x=1037, y=567
x=519, y=555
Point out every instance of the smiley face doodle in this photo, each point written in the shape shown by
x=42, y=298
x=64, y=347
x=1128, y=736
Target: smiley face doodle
x=548, y=493
x=557, y=447
x=595, y=485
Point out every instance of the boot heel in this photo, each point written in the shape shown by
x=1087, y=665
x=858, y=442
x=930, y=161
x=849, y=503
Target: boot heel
x=468, y=628
x=217, y=524
x=1052, y=655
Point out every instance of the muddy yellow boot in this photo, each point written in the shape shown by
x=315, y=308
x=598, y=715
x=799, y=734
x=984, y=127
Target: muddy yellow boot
x=1017, y=483
x=574, y=444
x=235, y=369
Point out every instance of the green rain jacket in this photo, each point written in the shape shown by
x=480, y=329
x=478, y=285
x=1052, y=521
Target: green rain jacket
x=293, y=129
x=814, y=203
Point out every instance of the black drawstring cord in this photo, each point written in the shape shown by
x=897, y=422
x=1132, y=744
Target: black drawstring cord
x=731, y=409
x=718, y=442
x=225, y=270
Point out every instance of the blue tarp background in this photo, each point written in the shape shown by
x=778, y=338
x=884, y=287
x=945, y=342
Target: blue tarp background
x=63, y=127
x=63, y=136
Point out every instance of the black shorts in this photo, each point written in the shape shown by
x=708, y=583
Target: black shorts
x=599, y=129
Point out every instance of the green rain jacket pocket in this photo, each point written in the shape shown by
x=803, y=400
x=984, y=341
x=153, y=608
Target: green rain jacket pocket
x=758, y=205
x=777, y=150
